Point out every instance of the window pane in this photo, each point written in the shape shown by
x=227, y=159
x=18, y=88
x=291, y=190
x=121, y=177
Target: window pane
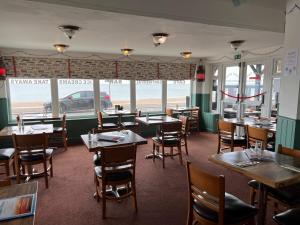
x=149, y=95
x=76, y=97
x=254, y=86
x=178, y=92
x=114, y=92
x=29, y=96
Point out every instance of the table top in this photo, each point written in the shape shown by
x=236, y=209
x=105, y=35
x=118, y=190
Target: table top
x=275, y=170
x=124, y=137
x=16, y=190
x=27, y=129
x=267, y=124
x=113, y=112
x=40, y=118
x=183, y=108
x=156, y=120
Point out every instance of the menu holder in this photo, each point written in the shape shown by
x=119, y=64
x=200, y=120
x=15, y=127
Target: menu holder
x=17, y=207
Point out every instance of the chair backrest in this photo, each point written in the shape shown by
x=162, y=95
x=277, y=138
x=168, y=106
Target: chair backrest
x=30, y=142
x=100, y=119
x=195, y=113
x=225, y=128
x=171, y=131
x=169, y=112
x=288, y=151
x=185, y=124
x=117, y=159
x=206, y=189
x=257, y=134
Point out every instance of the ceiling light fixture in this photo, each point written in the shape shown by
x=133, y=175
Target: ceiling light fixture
x=61, y=48
x=69, y=30
x=186, y=55
x=236, y=44
x=126, y=51
x=159, y=38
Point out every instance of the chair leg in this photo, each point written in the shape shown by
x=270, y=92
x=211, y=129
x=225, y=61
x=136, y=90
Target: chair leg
x=51, y=166
x=163, y=156
x=252, y=196
x=45, y=173
x=7, y=169
x=103, y=200
x=153, y=152
x=97, y=187
x=180, y=154
x=185, y=144
x=219, y=146
x=65, y=141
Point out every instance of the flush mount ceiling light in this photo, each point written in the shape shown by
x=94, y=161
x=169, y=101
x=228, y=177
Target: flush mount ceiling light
x=61, y=48
x=126, y=51
x=69, y=30
x=159, y=38
x=236, y=44
x=186, y=55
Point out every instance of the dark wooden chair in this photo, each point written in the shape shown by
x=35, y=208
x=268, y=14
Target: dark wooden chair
x=289, y=217
x=227, y=138
x=102, y=125
x=7, y=156
x=132, y=125
x=32, y=150
x=117, y=169
x=210, y=204
x=169, y=136
x=59, y=135
x=194, y=120
x=256, y=134
x=185, y=129
x=288, y=196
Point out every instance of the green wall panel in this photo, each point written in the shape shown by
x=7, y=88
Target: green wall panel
x=3, y=113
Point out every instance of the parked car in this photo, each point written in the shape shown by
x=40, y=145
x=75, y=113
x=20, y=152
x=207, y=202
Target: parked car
x=79, y=101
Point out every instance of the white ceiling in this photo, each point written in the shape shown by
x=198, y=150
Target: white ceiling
x=33, y=25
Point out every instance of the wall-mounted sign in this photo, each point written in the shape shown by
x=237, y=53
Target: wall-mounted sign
x=291, y=62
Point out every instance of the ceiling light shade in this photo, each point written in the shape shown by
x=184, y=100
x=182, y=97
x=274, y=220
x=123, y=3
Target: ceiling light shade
x=236, y=44
x=126, y=51
x=159, y=38
x=61, y=48
x=69, y=30
x=186, y=55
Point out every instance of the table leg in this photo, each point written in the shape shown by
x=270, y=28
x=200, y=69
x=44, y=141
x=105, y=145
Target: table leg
x=262, y=204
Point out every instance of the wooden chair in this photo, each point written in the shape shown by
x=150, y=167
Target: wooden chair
x=117, y=169
x=102, y=125
x=209, y=204
x=289, y=217
x=194, y=120
x=227, y=138
x=32, y=150
x=132, y=125
x=169, y=136
x=7, y=156
x=185, y=129
x=59, y=134
x=256, y=134
x=169, y=112
x=288, y=196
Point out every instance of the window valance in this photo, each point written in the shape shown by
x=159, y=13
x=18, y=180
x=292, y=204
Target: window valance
x=33, y=67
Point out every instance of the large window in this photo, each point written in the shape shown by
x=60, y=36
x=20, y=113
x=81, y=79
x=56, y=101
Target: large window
x=114, y=92
x=76, y=97
x=149, y=95
x=28, y=97
x=178, y=92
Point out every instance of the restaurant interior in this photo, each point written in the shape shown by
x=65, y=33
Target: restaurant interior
x=135, y=112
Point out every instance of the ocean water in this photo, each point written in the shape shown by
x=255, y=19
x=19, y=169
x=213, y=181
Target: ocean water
x=39, y=90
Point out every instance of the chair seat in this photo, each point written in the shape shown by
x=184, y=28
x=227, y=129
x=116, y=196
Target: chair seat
x=109, y=125
x=289, y=195
x=129, y=124
x=235, y=210
x=116, y=176
x=6, y=153
x=168, y=141
x=289, y=217
x=36, y=156
x=236, y=139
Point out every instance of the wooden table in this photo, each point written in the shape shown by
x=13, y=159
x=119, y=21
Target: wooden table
x=128, y=137
x=118, y=113
x=27, y=129
x=183, y=109
x=271, y=127
x=275, y=170
x=16, y=190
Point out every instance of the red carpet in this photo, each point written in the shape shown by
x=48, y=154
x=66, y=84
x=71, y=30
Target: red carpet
x=161, y=193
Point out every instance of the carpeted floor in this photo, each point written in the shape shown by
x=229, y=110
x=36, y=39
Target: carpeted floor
x=161, y=193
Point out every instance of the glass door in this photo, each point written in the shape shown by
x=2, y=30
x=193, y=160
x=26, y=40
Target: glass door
x=230, y=91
